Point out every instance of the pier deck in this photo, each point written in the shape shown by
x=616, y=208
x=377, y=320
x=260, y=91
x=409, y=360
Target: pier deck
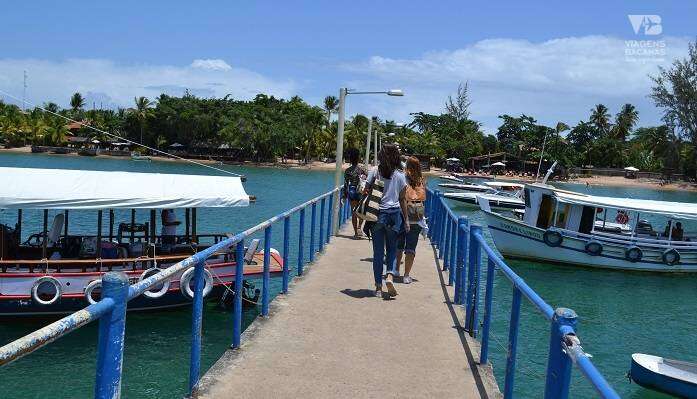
x=330, y=337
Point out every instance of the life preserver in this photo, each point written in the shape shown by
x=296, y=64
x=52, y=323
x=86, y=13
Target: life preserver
x=185, y=280
x=94, y=284
x=552, y=237
x=671, y=256
x=622, y=217
x=46, y=280
x=633, y=253
x=594, y=247
x=163, y=288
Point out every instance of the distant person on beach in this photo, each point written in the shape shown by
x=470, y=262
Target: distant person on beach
x=415, y=197
x=391, y=217
x=353, y=176
x=169, y=226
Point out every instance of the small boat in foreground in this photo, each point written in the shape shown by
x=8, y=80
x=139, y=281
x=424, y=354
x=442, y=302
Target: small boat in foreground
x=673, y=377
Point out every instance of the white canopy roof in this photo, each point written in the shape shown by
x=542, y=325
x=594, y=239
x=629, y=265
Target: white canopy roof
x=29, y=188
x=498, y=164
x=631, y=169
x=678, y=210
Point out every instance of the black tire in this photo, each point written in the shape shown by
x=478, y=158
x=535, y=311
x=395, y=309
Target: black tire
x=553, y=238
x=671, y=257
x=633, y=254
x=594, y=248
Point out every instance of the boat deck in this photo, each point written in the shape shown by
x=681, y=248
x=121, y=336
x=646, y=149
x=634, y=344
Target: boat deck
x=331, y=337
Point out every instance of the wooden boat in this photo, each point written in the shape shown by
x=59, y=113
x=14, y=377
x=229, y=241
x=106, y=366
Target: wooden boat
x=673, y=377
x=57, y=271
x=572, y=228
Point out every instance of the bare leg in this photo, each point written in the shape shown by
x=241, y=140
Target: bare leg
x=354, y=220
x=408, y=263
x=399, y=260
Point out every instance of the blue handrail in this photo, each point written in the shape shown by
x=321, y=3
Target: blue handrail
x=111, y=309
x=460, y=246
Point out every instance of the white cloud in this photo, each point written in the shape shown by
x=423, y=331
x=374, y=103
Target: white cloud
x=559, y=79
x=114, y=84
x=213, y=64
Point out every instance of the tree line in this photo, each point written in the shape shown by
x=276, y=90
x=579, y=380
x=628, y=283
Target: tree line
x=267, y=128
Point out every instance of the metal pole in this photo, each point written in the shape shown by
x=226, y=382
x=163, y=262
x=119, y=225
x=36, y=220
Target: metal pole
x=237, y=299
x=286, y=253
x=488, y=299
x=321, y=224
x=463, y=247
x=339, y=158
x=367, y=142
x=445, y=249
x=475, y=258
x=558, y=363
x=453, y=247
x=375, y=150
x=313, y=218
x=112, y=328
x=196, y=327
x=301, y=235
x=330, y=218
x=513, y=344
x=266, y=279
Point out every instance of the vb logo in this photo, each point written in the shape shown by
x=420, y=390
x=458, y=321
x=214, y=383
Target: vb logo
x=649, y=25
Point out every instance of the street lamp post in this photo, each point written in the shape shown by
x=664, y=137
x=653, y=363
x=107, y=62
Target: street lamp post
x=343, y=92
x=367, y=142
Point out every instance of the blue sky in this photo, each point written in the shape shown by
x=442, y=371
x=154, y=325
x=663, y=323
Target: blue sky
x=553, y=61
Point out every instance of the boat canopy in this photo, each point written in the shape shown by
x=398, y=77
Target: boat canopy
x=678, y=210
x=31, y=188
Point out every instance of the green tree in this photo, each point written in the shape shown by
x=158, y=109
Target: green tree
x=76, y=103
x=142, y=112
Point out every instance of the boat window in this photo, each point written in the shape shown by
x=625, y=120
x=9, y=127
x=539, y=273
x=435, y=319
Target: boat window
x=587, y=216
x=526, y=197
x=562, y=215
x=544, y=217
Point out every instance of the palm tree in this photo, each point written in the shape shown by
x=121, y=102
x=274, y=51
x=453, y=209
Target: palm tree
x=600, y=118
x=77, y=102
x=37, y=128
x=330, y=105
x=56, y=131
x=625, y=121
x=142, y=112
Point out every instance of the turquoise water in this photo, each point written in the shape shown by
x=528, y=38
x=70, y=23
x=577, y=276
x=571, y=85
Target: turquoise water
x=620, y=313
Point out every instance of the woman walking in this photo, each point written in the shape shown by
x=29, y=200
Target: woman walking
x=415, y=197
x=391, y=216
x=352, y=180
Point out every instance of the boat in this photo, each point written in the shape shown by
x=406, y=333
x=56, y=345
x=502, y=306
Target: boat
x=566, y=227
x=135, y=156
x=58, y=269
x=499, y=200
x=451, y=178
x=673, y=377
x=485, y=187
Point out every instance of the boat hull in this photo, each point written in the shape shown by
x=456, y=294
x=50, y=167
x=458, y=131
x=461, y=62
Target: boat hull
x=514, y=239
x=651, y=372
x=472, y=201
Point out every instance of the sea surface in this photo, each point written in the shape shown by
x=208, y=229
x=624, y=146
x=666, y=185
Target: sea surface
x=619, y=312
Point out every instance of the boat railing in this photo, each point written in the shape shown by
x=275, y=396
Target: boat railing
x=116, y=292
x=627, y=240
x=460, y=246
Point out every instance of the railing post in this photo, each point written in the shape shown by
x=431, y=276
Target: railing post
x=301, y=236
x=321, y=225
x=286, y=252
x=460, y=257
x=453, y=252
x=436, y=219
x=329, y=218
x=445, y=249
x=431, y=214
x=266, y=278
x=444, y=217
x=475, y=259
x=237, y=299
x=196, y=326
x=513, y=344
x=313, y=219
x=488, y=299
x=112, y=328
x=558, y=363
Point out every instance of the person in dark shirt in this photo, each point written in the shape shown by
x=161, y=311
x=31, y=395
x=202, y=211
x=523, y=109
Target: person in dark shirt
x=353, y=176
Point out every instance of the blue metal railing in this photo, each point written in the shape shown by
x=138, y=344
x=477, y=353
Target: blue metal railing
x=111, y=309
x=460, y=246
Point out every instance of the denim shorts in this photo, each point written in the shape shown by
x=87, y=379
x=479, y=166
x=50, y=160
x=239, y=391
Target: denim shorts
x=407, y=241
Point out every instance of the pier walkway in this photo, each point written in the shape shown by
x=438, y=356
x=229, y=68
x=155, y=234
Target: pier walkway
x=331, y=337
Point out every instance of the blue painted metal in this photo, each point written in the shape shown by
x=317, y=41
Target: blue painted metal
x=330, y=216
x=301, y=238
x=321, y=226
x=437, y=210
x=463, y=229
x=453, y=251
x=558, y=363
x=512, y=344
x=286, y=253
x=313, y=219
x=445, y=249
x=112, y=328
x=266, y=276
x=237, y=299
x=196, y=328
x=475, y=258
x=488, y=299
x=459, y=257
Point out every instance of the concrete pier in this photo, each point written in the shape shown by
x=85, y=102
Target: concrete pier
x=331, y=337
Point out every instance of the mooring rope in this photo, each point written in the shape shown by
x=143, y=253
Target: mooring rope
x=119, y=137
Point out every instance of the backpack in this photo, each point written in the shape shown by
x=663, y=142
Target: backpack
x=415, y=199
x=368, y=207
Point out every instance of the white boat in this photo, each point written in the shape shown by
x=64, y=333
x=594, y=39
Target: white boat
x=566, y=227
x=451, y=178
x=498, y=200
x=485, y=187
x=674, y=377
x=136, y=156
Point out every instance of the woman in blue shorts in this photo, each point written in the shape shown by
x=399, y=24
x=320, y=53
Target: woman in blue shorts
x=415, y=197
